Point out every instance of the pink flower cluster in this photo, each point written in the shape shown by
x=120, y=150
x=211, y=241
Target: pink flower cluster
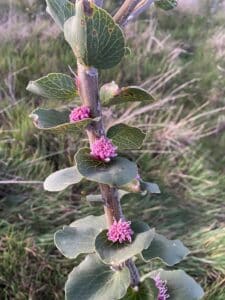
x=120, y=232
x=161, y=286
x=138, y=177
x=79, y=113
x=103, y=149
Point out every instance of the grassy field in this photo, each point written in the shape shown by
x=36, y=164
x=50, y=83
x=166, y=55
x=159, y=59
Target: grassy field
x=180, y=58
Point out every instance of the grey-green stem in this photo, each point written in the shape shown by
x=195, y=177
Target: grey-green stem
x=89, y=93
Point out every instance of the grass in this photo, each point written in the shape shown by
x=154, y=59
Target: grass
x=183, y=151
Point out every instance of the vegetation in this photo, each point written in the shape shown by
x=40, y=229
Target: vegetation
x=183, y=65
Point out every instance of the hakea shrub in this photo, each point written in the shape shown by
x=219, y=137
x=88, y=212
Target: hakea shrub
x=110, y=241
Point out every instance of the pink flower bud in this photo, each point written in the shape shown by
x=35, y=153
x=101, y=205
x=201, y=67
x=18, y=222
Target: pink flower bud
x=120, y=232
x=103, y=149
x=79, y=113
x=161, y=286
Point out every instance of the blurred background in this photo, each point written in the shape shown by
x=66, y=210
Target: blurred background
x=180, y=57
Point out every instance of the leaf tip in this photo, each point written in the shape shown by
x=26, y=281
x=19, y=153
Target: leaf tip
x=30, y=83
x=35, y=118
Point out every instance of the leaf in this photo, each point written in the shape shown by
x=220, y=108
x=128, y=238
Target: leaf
x=93, y=280
x=150, y=187
x=98, y=222
x=146, y=291
x=170, y=252
x=60, y=180
x=108, y=91
x=140, y=186
x=58, y=121
x=180, y=285
x=116, y=253
x=132, y=186
x=166, y=4
x=123, y=95
x=80, y=236
x=126, y=137
x=55, y=86
x=117, y=172
x=94, y=36
x=60, y=11
x=122, y=193
x=95, y=200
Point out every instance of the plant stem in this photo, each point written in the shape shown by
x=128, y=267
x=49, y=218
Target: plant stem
x=89, y=93
x=112, y=205
x=124, y=11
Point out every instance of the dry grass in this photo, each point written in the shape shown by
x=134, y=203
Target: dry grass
x=18, y=27
x=217, y=42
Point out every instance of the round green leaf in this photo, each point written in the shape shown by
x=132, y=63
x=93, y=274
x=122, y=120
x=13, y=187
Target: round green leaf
x=146, y=291
x=60, y=11
x=80, y=236
x=117, y=172
x=123, y=95
x=93, y=280
x=126, y=137
x=55, y=86
x=166, y=4
x=116, y=253
x=60, y=180
x=170, y=252
x=94, y=36
x=180, y=285
x=58, y=121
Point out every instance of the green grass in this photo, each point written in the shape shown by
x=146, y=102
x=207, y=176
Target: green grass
x=188, y=169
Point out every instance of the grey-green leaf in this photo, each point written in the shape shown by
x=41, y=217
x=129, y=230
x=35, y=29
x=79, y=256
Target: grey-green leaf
x=180, y=285
x=166, y=4
x=170, y=252
x=94, y=199
x=126, y=137
x=80, y=236
x=110, y=95
x=54, y=86
x=93, y=280
x=60, y=11
x=58, y=121
x=117, y=172
x=131, y=187
x=146, y=291
x=94, y=36
x=60, y=180
x=150, y=187
x=116, y=253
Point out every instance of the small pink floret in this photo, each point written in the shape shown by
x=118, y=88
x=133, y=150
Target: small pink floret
x=103, y=149
x=161, y=286
x=79, y=113
x=120, y=232
x=138, y=177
